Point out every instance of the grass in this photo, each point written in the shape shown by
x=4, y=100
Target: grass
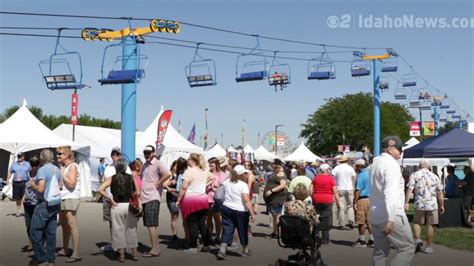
x=459, y=238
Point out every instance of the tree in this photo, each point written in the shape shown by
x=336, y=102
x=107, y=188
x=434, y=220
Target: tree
x=53, y=121
x=348, y=120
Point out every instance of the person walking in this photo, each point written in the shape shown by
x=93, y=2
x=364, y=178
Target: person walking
x=70, y=200
x=44, y=220
x=171, y=198
x=30, y=201
x=323, y=191
x=124, y=222
x=18, y=176
x=193, y=201
x=236, y=210
x=361, y=204
x=301, y=178
x=429, y=200
x=388, y=220
x=181, y=166
x=215, y=208
x=275, y=193
x=467, y=190
x=345, y=176
x=154, y=175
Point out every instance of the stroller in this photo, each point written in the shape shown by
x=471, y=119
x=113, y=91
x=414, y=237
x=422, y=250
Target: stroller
x=296, y=233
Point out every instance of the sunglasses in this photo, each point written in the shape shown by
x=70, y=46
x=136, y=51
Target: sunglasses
x=396, y=147
x=59, y=154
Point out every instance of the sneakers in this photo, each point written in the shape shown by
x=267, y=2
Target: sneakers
x=246, y=253
x=234, y=246
x=107, y=247
x=191, y=251
x=205, y=249
x=370, y=243
x=428, y=250
x=18, y=214
x=221, y=255
x=418, y=244
x=271, y=236
x=359, y=244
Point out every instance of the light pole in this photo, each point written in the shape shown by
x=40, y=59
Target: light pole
x=276, y=138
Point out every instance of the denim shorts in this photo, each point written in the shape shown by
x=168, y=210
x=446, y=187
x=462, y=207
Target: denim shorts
x=275, y=208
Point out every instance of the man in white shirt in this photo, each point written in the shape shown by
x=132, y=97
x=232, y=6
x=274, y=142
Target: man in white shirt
x=389, y=222
x=345, y=176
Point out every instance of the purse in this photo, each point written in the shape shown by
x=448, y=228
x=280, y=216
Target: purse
x=219, y=195
x=134, y=203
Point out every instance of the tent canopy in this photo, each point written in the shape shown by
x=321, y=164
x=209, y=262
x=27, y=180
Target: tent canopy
x=23, y=132
x=249, y=149
x=302, y=153
x=263, y=154
x=410, y=143
x=455, y=143
x=215, y=151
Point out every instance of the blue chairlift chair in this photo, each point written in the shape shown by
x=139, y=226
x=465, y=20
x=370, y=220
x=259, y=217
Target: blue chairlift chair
x=119, y=76
x=400, y=93
x=279, y=74
x=409, y=80
x=57, y=71
x=456, y=116
x=251, y=66
x=322, y=68
x=390, y=65
x=414, y=100
x=451, y=111
x=201, y=72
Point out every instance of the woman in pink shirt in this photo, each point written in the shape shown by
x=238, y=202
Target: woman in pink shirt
x=215, y=213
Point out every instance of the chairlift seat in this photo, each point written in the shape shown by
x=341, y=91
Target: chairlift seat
x=62, y=82
x=321, y=75
x=425, y=107
x=384, y=85
x=409, y=84
x=251, y=76
x=456, y=116
x=451, y=111
x=444, y=106
x=123, y=76
x=414, y=103
x=201, y=80
x=278, y=79
x=389, y=69
x=360, y=71
x=400, y=97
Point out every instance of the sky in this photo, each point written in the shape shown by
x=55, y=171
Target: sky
x=443, y=56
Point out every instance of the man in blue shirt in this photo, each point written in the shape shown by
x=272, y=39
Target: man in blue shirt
x=452, y=183
x=18, y=175
x=361, y=203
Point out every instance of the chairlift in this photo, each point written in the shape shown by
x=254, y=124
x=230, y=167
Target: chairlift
x=400, y=92
x=383, y=83
x=451, y=111
x=279, y=74
x=409, y=80
x=251, y=66
x=456, y=116
x=201, y=72
x=390, y=64
x=321, y=68
x=424, y=95
x=414, y=99
x=134, y=65
x=63, y=70
x=360, y=68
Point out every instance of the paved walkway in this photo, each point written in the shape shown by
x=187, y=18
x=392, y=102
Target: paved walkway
x=94, y=232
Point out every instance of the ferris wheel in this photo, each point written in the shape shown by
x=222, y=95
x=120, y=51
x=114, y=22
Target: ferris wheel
x=282, y=141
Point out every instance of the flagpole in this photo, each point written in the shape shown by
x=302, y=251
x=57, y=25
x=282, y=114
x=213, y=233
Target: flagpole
x=205, y=133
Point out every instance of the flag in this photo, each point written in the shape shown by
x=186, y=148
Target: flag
x=192, y=134
x=163, y=123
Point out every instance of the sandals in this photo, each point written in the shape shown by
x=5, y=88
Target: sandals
x=150, y=255
x=121, y=259
x=73, y=259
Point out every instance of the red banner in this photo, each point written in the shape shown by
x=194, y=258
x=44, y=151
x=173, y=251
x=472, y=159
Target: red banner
x=74, y=106
x=415, y=129
x=163, y=123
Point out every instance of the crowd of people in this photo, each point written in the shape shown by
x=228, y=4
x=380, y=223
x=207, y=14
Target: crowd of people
x=218, y=201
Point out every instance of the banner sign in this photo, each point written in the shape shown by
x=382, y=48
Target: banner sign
x=415, y=129
x=163, y=123
x=429, y=128
x=74, y=106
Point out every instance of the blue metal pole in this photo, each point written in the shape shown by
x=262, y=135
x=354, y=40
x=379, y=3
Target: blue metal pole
x=436, y=120
x=129, y=99
x=376, y=69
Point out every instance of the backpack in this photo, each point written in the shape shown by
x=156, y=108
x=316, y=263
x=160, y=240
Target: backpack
x=53, y=194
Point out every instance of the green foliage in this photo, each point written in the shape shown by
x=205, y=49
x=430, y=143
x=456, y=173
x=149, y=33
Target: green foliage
x=53, y=121
x=349, y=120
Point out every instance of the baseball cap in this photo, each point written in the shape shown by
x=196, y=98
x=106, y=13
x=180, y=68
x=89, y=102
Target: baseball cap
x=20, y=154
x=392, y=141
x=149, y=148
x=115, y=150
x=278, y=162
x=360, y=162
x=324, y=166
x=240, y=169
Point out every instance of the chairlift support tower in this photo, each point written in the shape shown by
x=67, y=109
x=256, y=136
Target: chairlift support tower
x=130, y=38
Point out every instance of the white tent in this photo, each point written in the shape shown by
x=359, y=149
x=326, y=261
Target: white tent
x=248, y=149
x=410, y=143
x=215, y=151
x=263, y=154
x=249, y=153
x=302, y=153
x=23, y=132
x=175, y=145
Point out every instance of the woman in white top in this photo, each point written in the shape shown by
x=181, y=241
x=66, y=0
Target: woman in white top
x=235, y=211
x=70, y=200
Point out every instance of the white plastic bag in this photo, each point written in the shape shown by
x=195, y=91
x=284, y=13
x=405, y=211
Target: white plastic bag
x=53, y=194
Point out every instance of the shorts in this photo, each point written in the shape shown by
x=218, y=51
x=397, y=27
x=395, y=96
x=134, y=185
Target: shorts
x=275, y=208
x=106, y=210
x=18, y=190
x=254, y=199
x=425, y=217
x=70, y=204
x=151, y=213
x=172, y=207
x=362, y=215
x=467, y=201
